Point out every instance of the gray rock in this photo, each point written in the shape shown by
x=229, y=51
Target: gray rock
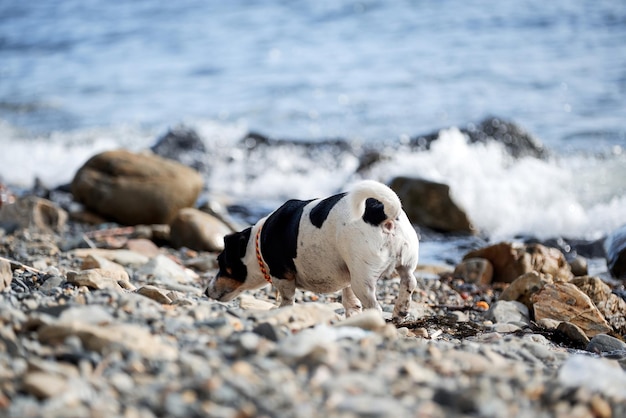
x=509, y=312
x=197, y=230
x=603, y=343
x=573, y=333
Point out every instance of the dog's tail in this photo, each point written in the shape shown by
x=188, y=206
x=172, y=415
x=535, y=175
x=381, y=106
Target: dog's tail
x=372, y=189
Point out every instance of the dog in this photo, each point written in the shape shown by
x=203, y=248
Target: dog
x=344, y=242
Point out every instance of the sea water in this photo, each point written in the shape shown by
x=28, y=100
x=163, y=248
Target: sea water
x=79, y=77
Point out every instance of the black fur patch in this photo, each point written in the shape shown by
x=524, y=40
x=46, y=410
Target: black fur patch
x=374, y=212
x=320, y=212
x=279, y=238
x=230, y=260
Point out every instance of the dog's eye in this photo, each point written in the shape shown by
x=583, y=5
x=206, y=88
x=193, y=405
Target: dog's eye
x=229, y=271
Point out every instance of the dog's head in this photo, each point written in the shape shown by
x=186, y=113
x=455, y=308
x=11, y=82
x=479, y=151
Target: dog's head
x=229, y=281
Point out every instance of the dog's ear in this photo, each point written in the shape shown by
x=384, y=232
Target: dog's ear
x=235, y=244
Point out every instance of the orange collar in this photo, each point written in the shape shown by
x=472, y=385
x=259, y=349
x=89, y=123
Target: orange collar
x=259, y=257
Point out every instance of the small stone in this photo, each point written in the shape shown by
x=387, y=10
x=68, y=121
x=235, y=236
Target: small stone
x=548, y=323
x=198, y=230
x=6, y=274
x=100, y=279
x=126, y=258
x=522, y=288
x=249, y=302
x=573, y=333
x=420, y=332
x=44, y=385
x=603, y=343
x=600, y=408
x=268, y=331
x=51, y=283
x=509, y=312
x=95, y=261
x=33, y=213
x=475, y=270
x=163, y=269
x=143, y=246
x=154, y=293
x=505, y=328
x=579, y=266
x=369, y=319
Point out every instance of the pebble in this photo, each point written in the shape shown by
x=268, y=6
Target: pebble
x=70, y=347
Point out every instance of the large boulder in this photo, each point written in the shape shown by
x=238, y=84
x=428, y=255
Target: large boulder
x=429, y=204
x=511, y=260
x=133, y=188
x=615, y=248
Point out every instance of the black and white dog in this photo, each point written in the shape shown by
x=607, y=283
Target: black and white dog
x=344, y=242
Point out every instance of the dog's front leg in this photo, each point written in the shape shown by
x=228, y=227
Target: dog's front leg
x=287, y=290
x=351, y=304
x=364, y=287
x=408, y=283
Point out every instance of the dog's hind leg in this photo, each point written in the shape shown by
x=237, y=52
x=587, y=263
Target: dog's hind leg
x=350, y=302
x=408, y=283
x=287, y=290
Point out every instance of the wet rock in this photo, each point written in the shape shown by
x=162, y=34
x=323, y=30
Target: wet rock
x=511, y=260
x=197, y=230
x=611, y=306
x=136, y=188
x=522, y=288
x=475, y=270
x=514, y=138
x=6, y=274
x=565, y=302
x=615, y=249
x=100, y=279
x=429, y=204
x=33, y=213
x=184, y=145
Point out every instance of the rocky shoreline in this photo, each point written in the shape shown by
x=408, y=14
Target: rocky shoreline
x=108, y=319
x=82, y=337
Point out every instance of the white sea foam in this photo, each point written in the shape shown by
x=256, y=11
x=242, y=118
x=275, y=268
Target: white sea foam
x=572, y=196
x=575, y=196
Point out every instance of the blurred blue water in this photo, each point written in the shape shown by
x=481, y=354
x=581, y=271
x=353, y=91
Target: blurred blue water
x=370, y=69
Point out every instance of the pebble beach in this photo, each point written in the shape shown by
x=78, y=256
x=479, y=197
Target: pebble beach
x=98, y=320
